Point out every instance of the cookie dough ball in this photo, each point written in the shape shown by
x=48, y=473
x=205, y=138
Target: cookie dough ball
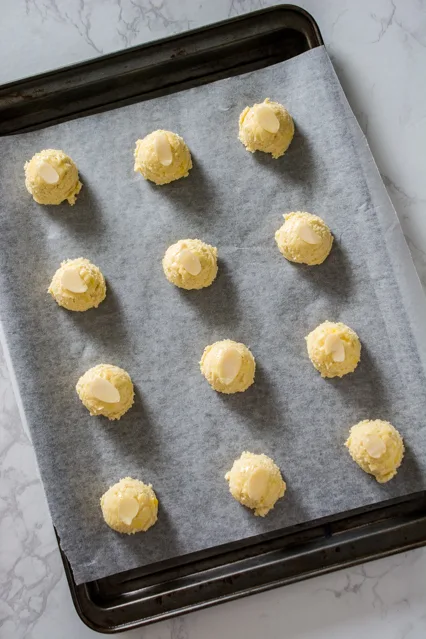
x=130, y=506
x=162, y=157
x=106, y=390
x=256, y=482
x=377, y=447
x=190, y=264
x=78, y=285
x=266, y=127
x=52, y=177
x=334, y=349
x=228, y=366
x=304, y=238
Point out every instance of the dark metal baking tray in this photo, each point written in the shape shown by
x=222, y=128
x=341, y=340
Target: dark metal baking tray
x=197, y=57
x=162, y=590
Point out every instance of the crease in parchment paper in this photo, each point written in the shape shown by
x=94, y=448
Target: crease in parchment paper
x=180, y=435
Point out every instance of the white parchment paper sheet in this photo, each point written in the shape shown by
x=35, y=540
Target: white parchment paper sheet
x=182, y=436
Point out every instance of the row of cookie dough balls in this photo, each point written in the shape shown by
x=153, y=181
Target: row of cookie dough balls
x=255, y=481
x=303, y=238
x=161, y=157
x=228, y=366
x=130, y=506
x=108, y=390
x=79, y=285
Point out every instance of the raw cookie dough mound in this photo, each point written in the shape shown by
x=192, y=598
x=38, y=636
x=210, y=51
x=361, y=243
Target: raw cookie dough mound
x=377, y=447
x=106, y=390
x=162, y=156
x=228, y=366
x=190, y=264
x=130, y=506
x=334, y=349
x=52, y=177
x=266, y=127
x=304, y=238
x=78, y=285
x=256, y=482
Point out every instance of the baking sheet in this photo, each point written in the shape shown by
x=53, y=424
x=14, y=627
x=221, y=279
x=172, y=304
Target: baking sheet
x=182, y=436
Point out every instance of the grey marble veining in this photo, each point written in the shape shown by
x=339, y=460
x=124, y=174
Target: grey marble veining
x=379, y=51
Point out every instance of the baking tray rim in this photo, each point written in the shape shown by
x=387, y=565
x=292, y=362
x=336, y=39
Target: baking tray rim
x=120, y=53
x=328, y=542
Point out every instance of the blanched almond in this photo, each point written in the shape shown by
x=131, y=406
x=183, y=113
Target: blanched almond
x=267, y=119
x=103, y=390
x=72, y=281
x=163, y=149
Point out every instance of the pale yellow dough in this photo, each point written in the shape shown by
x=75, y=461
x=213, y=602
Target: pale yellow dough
x=177, y=274
x=66, y=188
x=91, y=276
x=323, y=360
x=119, y=378
x=289, y=238
x=256, y=482
x=148, y=164
x=211, y=367
x=377, y=447
x=132, y=501
x=256, y=138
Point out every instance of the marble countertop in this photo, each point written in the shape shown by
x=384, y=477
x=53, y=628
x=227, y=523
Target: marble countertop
x=379, y=51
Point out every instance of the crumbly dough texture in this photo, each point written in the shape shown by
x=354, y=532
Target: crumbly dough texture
x=255, y=138
x=118, y=378
x=132, y=488
x=148, y=164
x=384, y=467
x=178, y=275
x=90, y=274
x=256, y=482
x=245, y=377
x=294, y=248
x=324, y=362
x=68, y=185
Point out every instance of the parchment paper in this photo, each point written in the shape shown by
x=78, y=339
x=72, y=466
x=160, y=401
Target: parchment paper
x=182, y=436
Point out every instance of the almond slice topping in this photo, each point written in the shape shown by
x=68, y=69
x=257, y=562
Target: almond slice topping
x=72, y=281
x=163, y=149
x=333, y=345
x=103, y=390
x=267, y=119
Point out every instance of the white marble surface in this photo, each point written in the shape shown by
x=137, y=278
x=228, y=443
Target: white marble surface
x=379, y=50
